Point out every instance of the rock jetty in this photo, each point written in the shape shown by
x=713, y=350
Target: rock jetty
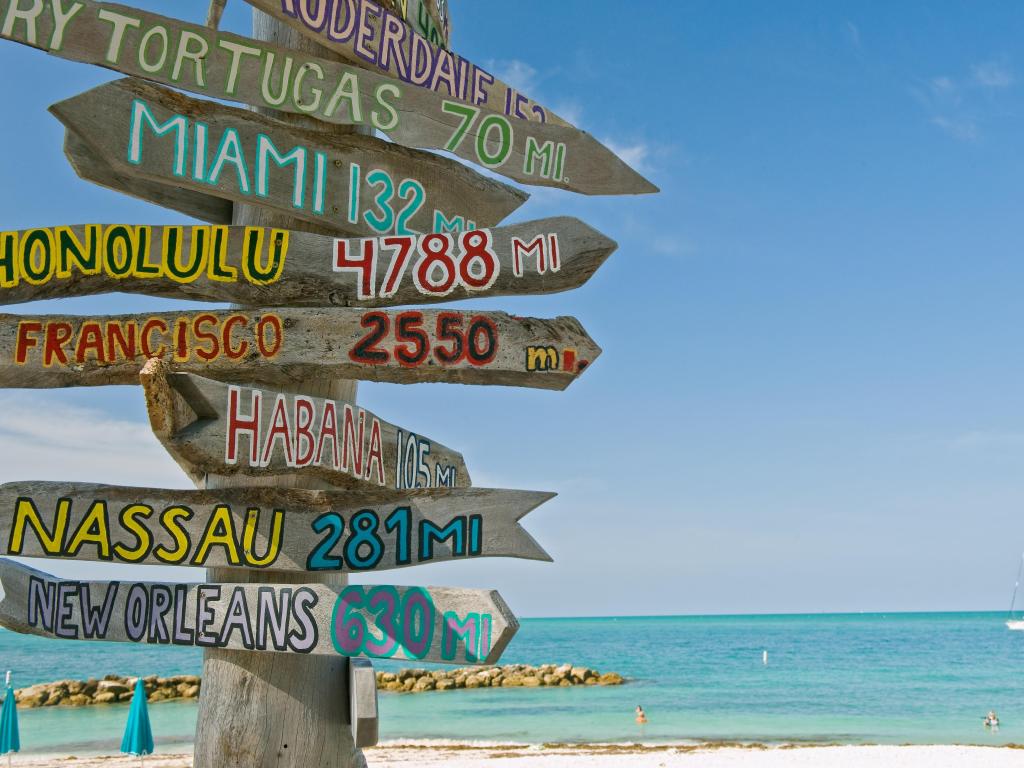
x=113, y=689
x=110, y=690
x=509, y=676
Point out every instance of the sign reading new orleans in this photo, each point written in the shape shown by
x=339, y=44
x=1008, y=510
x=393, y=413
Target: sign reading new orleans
x=258, y=266
x=265, y=528
x=287, y=346
x=210, y=427
x=432, y=624
x=355, y=184
x=233, y=68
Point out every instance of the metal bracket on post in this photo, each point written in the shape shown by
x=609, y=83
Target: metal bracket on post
x=362, y=688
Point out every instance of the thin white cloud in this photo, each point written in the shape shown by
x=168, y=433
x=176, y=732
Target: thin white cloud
x=852, y=32
x=635, y=155
x=962, y=128
x=44, y=439
x=516, y=73
x=992, y=74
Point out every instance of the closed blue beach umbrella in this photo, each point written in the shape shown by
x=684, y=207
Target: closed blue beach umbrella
x=10, y=742
x=138, y=736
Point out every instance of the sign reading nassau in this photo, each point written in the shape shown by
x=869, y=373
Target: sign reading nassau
x=254, y=265
x=351, y=183
x=264, y=528
x=287, y=346
x=432, y=624
x=210, y=427
x=225, y=66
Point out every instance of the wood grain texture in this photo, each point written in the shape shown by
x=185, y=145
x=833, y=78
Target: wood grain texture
x=88, y=166
x=232, y=68
x=354, y=29
x=244, y=157
x=261, y=266
x=302, y=619
x=267, y=529
x=214, y=428
x=284, y=347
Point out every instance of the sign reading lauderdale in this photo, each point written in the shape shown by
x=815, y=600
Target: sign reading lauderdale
x=434, y=624
x=265, y=528
x=355, y=184
x=226, y=66
x=254, y=265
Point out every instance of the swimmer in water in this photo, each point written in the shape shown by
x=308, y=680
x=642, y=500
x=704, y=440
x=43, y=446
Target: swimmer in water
x=992, y=720
x=641, y=716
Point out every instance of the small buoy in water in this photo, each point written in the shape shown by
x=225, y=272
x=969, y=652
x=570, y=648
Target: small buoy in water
x=764, y=658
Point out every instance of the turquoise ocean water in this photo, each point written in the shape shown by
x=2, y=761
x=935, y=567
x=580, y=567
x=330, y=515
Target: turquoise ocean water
x=895, y=678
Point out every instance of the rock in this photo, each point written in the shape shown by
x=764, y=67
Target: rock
x=610, y=678
x=409, y=683
x=444, y=685
x=192, y=692
x=78, y=700
x=531, y=681
x=564, y=684
x=550, y=679
x=394, y=685
x=387, y=677
x=113, y=686
x=590, y=681
x=160, y=694
x=580, y=673
x=104, y=697
x=513, y=681
x=425, y=684
x=473, y=681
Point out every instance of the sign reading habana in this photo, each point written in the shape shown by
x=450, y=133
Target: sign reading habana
x=255, y=265
x=215, y=428
x=225, y=66
x=278, y=346
x=432, y=624
x=350, y=183
x=273, y=529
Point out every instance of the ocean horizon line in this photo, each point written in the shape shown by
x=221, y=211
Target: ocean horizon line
x=773, y=615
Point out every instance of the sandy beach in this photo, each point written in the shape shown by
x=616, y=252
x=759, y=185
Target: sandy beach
x=628, y=756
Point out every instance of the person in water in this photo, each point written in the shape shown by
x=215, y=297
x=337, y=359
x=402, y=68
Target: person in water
x=641, y=716
x=992, y=719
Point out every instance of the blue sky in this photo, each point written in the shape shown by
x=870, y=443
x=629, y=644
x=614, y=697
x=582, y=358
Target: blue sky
x=809, y=398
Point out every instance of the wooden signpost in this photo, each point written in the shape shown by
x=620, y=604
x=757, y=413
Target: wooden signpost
x=353, y=184
x=274, y=529
x=430, y=624
x=214, y=428
x=313, y=226
x=261, y=266
x=282, y=346
x=225, y=66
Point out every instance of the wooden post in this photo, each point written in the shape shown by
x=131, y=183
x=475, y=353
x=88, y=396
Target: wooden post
x=275, y=710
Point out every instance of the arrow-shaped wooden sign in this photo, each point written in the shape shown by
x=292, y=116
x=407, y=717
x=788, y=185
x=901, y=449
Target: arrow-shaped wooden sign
x=432, y=624
x=352, y=183
x=210, y=427
x=273, y=529
x=224, y=66
x=289, y=346
x=369, y=35
x=258, y=267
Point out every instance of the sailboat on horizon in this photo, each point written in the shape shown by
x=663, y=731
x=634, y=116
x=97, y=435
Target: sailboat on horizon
x=1011, y=622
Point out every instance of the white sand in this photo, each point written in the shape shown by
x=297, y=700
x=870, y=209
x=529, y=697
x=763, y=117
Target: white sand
x=625, y=757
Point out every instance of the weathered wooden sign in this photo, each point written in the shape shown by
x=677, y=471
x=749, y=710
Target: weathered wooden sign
x=369, y=35
x=273, y=529
x=288, y=346
x=214, y=428
x=258, y=266
x=90, y=167
x=433, y=624
x=233, y=68
x=355, y=184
